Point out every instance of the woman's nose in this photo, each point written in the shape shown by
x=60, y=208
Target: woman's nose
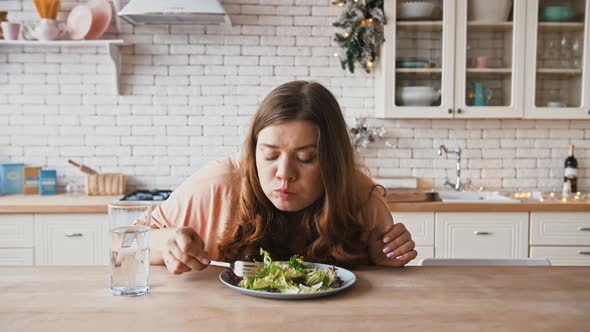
x=285, y=171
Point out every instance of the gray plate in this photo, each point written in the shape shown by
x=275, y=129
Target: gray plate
x=347, y=277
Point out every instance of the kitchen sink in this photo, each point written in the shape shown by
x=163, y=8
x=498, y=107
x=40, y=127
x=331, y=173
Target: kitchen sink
x=474, y=197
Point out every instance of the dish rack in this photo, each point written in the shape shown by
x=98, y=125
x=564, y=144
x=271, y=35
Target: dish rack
x=105, y=184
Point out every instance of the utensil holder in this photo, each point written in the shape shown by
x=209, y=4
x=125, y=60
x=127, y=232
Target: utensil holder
x=105, y=184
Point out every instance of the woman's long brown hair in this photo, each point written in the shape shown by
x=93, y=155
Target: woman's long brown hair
x=330, y=226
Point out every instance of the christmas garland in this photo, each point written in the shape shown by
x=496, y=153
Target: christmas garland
x=362, y=21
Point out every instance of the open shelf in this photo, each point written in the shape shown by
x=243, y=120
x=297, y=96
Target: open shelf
x=418, y=70
x=112, y=46
x=561, y=26
x=420, y=25
x=484, y=71
x=559, y=71
x=489, y=26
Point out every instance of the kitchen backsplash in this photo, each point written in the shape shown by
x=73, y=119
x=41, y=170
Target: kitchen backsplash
x=188, y=92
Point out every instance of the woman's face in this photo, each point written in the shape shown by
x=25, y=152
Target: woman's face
x=288, y=165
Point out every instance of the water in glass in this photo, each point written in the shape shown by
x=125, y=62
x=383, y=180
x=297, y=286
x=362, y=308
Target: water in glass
x=130, y=260
x=129, y=225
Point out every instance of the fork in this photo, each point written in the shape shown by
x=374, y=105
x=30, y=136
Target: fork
x=240, y=268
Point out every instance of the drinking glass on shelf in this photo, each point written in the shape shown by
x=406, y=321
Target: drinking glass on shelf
x=551, y=53
x=565, y=52
x=577, y=52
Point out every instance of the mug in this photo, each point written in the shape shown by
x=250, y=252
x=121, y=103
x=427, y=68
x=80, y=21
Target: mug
x=481, y=61
x=10, y=30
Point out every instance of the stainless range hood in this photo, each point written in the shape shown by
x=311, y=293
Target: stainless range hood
x=139, y=12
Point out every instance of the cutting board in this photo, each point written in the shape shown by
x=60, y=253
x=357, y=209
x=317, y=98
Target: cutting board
x=400, y=195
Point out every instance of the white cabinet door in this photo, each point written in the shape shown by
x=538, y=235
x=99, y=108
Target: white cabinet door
x=18, y=256
x=419, y=224
x=71, y=239
x=16, y=231
x=489, y=60
x=481, y=235
x=563, y=255
x=429, y=41
x=560, y=228
x=16, y=239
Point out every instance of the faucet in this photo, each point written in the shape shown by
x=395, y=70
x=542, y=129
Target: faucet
x=443, y=149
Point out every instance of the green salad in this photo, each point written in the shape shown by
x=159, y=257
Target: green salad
x=291, y=277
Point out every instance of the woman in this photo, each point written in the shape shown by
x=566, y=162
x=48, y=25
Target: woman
x=296, y=190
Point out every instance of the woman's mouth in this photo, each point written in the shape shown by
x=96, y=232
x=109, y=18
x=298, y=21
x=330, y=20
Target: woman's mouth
x=284, y=193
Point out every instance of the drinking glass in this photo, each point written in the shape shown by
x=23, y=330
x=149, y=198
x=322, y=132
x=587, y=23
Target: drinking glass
x=129, y=225
x=565, y=52
x=577, y=52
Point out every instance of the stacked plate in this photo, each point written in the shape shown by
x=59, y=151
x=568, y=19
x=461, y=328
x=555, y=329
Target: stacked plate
x=90, y=20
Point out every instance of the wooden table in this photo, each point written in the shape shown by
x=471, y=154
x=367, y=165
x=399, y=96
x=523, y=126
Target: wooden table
x=407, y=299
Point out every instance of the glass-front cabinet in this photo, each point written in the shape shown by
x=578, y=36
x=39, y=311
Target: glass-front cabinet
x=489, y=59
x=415, y=72
x=484, y=59
x=557, y=84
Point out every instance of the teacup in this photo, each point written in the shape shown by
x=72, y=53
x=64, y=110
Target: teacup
x=10, y=30
x=47, y=29
x=480, y=61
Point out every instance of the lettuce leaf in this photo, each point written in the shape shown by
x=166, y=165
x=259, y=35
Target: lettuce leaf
x=290, y=278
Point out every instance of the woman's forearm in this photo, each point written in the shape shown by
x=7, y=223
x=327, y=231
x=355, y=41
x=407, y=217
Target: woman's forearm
x=159, y=237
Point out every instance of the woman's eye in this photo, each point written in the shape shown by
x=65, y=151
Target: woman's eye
x=306, y=160
x=270, y=157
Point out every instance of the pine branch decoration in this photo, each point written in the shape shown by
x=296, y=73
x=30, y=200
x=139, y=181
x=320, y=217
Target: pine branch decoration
x=362, y=22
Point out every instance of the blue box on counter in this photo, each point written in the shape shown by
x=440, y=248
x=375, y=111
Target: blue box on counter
x=47, y=182
x=11, y=178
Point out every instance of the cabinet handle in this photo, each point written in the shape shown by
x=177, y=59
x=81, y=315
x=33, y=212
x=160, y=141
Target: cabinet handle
x=581, y=252
x=584, y=228
x=482, y=233
x=70, y=234
x=459, y=110
x=450, y=111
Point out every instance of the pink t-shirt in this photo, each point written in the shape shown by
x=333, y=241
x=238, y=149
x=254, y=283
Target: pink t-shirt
x=208, y=201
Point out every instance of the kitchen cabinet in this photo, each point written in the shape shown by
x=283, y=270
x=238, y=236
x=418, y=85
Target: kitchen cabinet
x=71, y=239
x=481, y=235
x=16, y=239
x=557, y=82
x=421, y=226
x=564, y=238
x=475, y=62
x=54, y=239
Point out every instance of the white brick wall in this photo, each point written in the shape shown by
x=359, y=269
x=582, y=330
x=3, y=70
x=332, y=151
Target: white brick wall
x=189, y=93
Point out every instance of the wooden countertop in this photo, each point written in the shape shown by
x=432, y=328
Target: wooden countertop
x=555, y=298
x=525, y=206
x=55, y=203
x=98, y=204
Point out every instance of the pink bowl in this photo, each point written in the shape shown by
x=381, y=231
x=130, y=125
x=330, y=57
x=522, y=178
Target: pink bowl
x=79, y=22
x=101, y=18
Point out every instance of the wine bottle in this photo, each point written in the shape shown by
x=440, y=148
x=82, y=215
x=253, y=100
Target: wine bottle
x=571, y=170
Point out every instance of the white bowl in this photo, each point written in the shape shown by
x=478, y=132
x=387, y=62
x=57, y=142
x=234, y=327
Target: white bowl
x=416, y=95
x=414, y=10
x=489, y=11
